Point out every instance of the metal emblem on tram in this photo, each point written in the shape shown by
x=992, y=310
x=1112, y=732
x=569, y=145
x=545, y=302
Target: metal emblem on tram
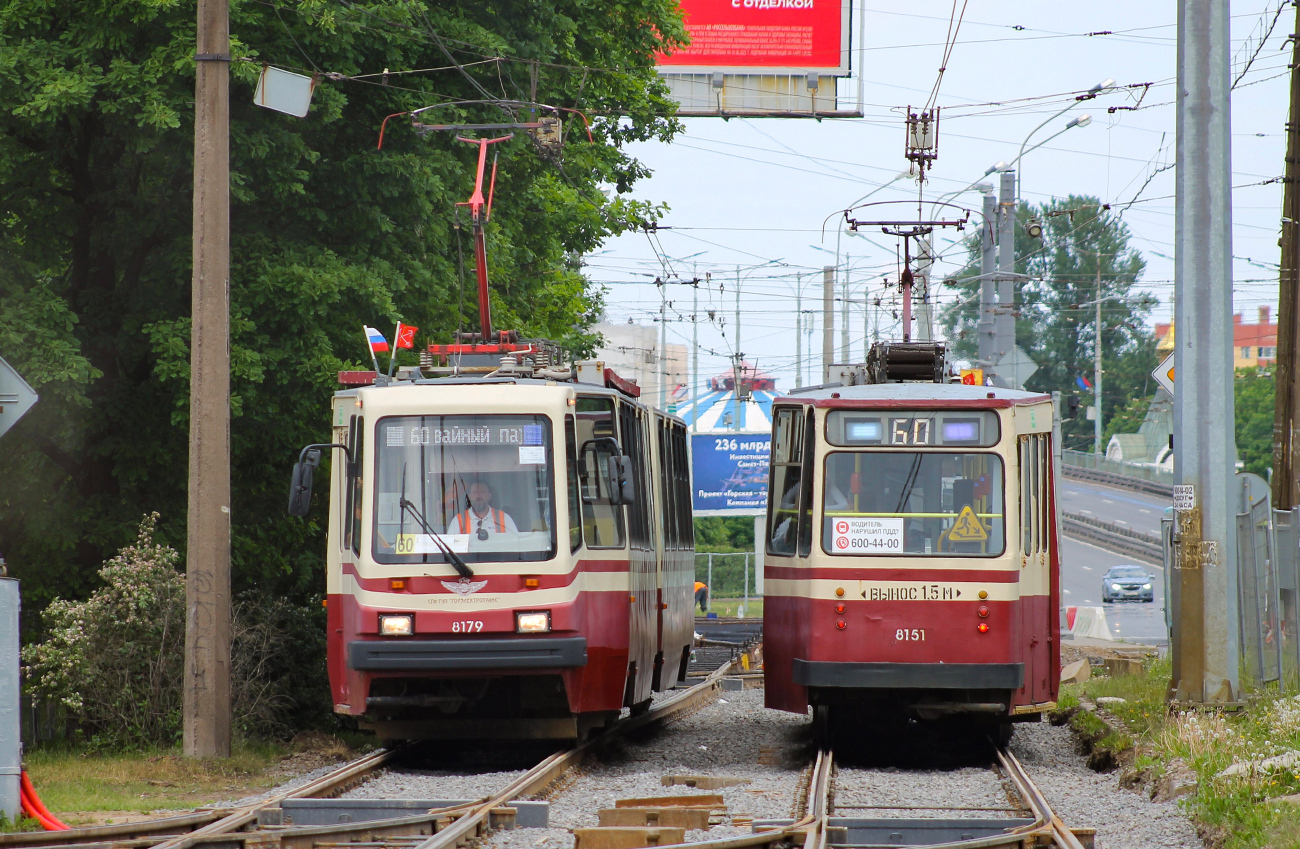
x=464, y=586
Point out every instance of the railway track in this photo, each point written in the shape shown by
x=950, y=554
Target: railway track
x=261, y=825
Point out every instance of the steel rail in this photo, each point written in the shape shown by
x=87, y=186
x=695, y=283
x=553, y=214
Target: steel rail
x=1061, y=834
x=217, y=826
x=177, y=832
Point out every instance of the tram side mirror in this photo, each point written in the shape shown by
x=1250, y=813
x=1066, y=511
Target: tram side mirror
x=300, y=487
x=620, y=480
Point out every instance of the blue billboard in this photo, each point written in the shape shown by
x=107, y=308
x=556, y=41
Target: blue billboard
x=729, y=472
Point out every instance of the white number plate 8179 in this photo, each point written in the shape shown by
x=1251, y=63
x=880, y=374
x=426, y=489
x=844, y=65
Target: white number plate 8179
x=467, y=626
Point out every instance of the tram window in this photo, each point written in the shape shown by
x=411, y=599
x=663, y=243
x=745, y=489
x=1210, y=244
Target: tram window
x=684, y=481
x=913, y=503
x=352, y=521
x=1026, y=497
x=786, y=500
x=806, y=490
x=602, y=522
x=484, y=484
x=669, y=514
x=571, y=481
x=1044, y=488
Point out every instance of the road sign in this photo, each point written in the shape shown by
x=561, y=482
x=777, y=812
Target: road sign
x=1164, y=374
x=972, y=376
x=16, y=397
x=967, y=528
x=1014, y=368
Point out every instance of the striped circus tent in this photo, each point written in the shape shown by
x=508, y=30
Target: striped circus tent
x=719, y=410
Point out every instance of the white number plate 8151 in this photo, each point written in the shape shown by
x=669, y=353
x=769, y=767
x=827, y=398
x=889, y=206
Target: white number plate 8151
x=908, y=635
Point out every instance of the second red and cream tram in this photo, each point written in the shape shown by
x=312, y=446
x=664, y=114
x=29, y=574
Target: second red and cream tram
x=912, y=558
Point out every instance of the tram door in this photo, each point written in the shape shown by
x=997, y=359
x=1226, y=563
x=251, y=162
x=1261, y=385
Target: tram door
x=1036, y=558
x=643, y=577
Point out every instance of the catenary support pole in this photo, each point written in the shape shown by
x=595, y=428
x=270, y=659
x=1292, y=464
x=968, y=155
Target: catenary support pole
x=1096, y=368
x=695, y=353
x=1286, y=410
x=988, y=265
x=844, y=314
x=760, y=544
x=828, y=321
x=206, y=699
x=798, y=331
x=1006, y=314
x=1205, y=638
x=924, y=263
x=663, y=346
x=736, y=350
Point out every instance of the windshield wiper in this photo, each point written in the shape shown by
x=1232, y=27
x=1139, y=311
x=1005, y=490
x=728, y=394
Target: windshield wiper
x=408, y=506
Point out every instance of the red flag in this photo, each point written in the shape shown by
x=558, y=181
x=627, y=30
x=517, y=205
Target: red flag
x=406, y=335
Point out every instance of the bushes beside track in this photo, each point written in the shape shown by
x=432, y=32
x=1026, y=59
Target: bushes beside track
x=1231, y=770
x=113, y=663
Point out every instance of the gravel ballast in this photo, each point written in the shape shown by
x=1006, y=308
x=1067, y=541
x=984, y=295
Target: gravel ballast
x=735, y=737
x=1083, y=798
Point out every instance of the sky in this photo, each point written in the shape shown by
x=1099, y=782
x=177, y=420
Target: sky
x=756, y=193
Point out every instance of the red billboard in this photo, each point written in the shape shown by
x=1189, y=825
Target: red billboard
x=747, y=36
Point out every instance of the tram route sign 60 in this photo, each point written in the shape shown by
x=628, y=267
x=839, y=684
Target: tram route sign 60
x=16, y=397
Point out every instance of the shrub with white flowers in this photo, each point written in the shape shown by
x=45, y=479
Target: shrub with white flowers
x=115, y=660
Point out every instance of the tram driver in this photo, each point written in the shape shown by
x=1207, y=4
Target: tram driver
x=482, y=519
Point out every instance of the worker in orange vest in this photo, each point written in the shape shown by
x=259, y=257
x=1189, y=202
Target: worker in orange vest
x=702, y=596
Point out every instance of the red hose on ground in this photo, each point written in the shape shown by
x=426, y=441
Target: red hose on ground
x=49, y=820
x=31, y=812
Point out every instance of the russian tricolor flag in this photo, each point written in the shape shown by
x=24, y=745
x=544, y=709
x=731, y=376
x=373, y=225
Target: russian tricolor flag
x=376, y=339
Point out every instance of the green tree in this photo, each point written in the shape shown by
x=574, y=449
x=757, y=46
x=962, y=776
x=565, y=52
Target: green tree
x=724, y=533
x=1082, y=243
x=1253, y=403
x=327, y=233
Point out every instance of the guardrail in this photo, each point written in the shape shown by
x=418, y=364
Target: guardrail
x=1110, y=478
x=1113, y=537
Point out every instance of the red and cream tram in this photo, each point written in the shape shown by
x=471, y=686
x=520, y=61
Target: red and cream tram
x=510, y=550
x=912, y=565
x=507, y=556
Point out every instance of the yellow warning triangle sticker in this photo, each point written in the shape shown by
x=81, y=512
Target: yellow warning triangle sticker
x=967, y=528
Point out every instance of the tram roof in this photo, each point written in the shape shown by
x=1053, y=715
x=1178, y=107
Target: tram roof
x=912, y=395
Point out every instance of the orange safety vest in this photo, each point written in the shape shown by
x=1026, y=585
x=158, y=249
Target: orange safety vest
x=700, y=585
x=467, y=518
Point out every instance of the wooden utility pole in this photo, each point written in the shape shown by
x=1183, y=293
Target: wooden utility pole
x=1286, y=410
x=207, y=566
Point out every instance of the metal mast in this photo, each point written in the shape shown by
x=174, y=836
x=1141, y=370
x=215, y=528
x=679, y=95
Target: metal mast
x=1205, y=639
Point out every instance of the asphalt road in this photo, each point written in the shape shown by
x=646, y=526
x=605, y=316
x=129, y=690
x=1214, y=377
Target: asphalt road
x=1134, y=510
x=1082, y=566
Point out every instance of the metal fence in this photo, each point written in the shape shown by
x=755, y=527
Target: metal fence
x=728, y=575
x=1099, y=462
x=1257, y=586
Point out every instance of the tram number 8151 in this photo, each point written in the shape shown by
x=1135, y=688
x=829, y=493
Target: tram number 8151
x=906, y=635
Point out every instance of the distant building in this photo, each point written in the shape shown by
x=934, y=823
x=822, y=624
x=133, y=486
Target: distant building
x=1253, y=345
x=632, y=350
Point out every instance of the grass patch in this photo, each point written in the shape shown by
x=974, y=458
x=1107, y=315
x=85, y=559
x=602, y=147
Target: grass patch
x=1239, y=812
x=727, y=608
x=86, y=787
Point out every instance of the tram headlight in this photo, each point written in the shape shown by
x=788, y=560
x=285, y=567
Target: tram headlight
x=532, y=623
x=396, y=625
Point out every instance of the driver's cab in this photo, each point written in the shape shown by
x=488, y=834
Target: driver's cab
x=482, y=483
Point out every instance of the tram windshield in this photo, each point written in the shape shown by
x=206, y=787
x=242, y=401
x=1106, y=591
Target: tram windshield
x=478, y=485
x=913, y=502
